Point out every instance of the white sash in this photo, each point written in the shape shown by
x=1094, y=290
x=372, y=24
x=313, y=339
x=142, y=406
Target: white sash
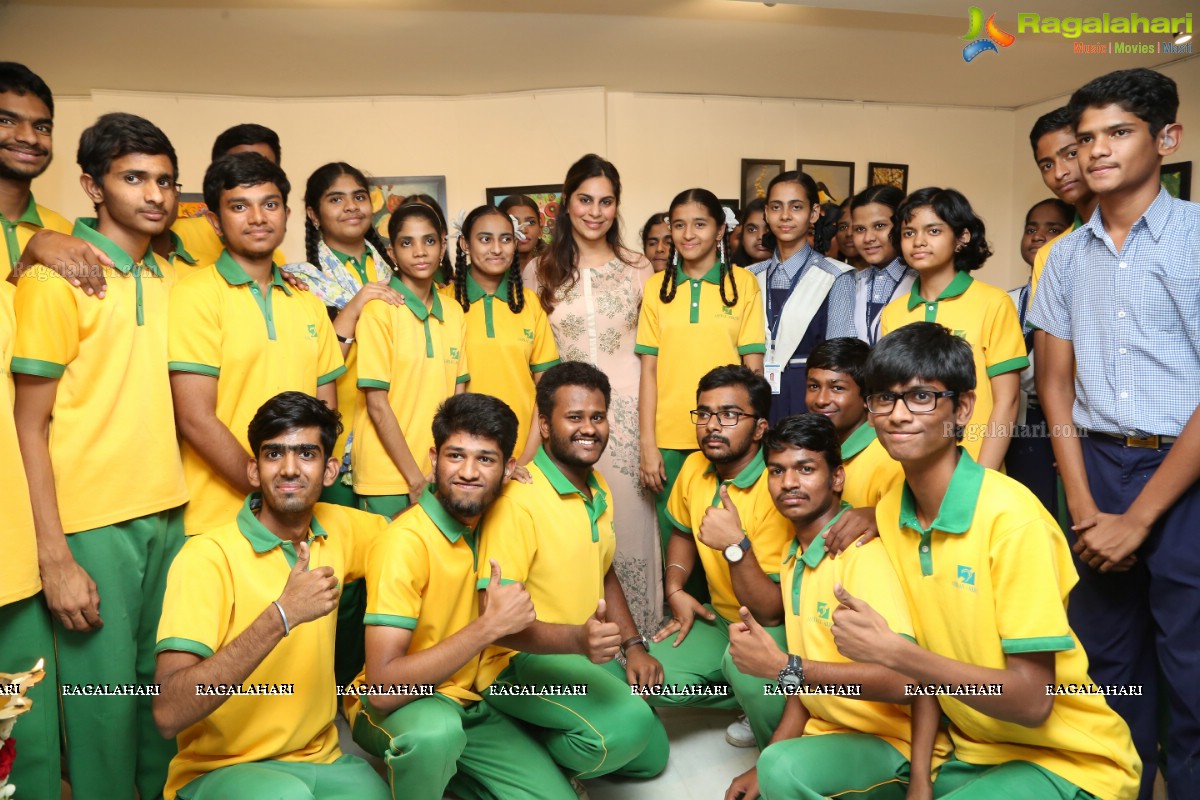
x=802, y=305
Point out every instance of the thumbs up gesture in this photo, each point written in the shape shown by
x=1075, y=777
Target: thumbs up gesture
x=601, y=639
x=752, y=648
x=509, y=608
x=721, y=525
x=309, y=594
x=859, y=631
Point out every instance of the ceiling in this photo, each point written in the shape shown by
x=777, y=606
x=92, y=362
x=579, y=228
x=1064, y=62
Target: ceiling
x=882, y=51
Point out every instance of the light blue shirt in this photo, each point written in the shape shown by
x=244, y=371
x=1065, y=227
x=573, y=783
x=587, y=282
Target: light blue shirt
x=1133, y=317
x=840, y=301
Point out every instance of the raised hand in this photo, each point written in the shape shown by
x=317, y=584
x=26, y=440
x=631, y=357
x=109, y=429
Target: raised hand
x=752, y=648
x=601, y=639
x=509, y=608
x=308, y=594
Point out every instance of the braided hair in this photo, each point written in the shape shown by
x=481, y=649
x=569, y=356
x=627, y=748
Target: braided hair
x=671, y=278
x=823, y=229
x=318, y=184
x=516, y=288
x=403, y=213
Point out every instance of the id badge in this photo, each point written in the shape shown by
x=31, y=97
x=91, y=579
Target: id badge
x=774, y=375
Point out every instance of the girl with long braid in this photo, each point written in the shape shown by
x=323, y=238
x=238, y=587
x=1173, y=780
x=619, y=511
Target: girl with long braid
x=508, y=334
x=718, y=320
x=347, y=264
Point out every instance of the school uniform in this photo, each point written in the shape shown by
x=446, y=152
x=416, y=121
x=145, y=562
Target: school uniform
x=982, y=315
x=507, y=349
x=200, y=238
x=256, y=345
x=874, y=288
x=989, y=578
x=421, y=578
x=560, y=543
x=808, y=298
x=25, y=631
x=849, y=745
x=18, y=232
x=417, y=355
x=703, y=657
x=281, y=742
x=1133, y=319
x=109, y=358
x=870, y=471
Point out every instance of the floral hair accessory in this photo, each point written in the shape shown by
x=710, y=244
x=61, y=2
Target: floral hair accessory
x=730, y=219
x=456, y=227
x=518, y=228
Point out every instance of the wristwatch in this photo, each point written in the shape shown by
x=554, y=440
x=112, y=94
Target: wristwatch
x=791, y=677
x=736, y=552
x=634, y=640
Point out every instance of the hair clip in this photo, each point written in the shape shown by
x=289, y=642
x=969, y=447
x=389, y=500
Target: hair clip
x=730, y=219
x=456, y=227
x=518, y=228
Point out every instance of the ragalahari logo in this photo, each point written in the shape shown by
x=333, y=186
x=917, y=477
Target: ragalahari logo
x=977, y=45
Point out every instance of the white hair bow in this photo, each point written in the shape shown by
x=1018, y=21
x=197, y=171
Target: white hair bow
x=730, y=218
x=456, y=227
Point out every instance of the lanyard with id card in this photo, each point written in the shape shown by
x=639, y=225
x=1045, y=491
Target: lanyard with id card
x=772, y=370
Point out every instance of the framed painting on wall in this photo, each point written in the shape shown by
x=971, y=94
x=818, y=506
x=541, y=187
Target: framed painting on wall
x=835, y=179
x=388, y=194
x=890, y=174
x=548, y=196
x=757, y=174
x=1177, y=179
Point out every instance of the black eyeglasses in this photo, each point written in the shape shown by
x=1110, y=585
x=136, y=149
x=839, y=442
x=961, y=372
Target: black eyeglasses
x=727, y=417
x=917, y=401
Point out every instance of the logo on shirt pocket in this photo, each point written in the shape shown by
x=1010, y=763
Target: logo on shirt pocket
x=528, y=334
x=965, y=578
x=454, y=354
x=312, y=331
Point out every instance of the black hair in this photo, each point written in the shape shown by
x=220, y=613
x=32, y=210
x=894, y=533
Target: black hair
x=525, y=201
x=20, y=79
x=1050, y=122
x=813, y=432
x=516, y=286
x=244, y=134
x=756, y=206
x=1061, y=206
x=955, y=210
x=407, y=211
x=882, y=193
x=920, y=351
x=822, y=230
x=737, y=375
x=118, y=134
x=713, y=206
x=570, y=373
x=845, y=354
x=241, y=169
x=558, y=267
x=1145, y=93
x=830, y=214
x=657, y=218
x=479, y=415
x=319, y=183
x=290, y=410
x=443, y=226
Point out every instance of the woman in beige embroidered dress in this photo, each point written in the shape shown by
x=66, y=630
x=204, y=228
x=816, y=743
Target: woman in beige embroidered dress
x=591, y=287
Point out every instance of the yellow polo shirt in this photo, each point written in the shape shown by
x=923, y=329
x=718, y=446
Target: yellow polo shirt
x=18, y=232
x=870, y=471
x=807, y=581
x=256, y=346
x=112, y=429
x=175, y=266
x=990, y=577
x=559, y=543
x=421, y=577
x=691, y=335
x=21, y=576
x=347, y=385
x=1043, y=255
x=697, y=489
x=200, y=238
x=507, y=349
x=218, y=585
x=983, y=315
x=417, y=355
